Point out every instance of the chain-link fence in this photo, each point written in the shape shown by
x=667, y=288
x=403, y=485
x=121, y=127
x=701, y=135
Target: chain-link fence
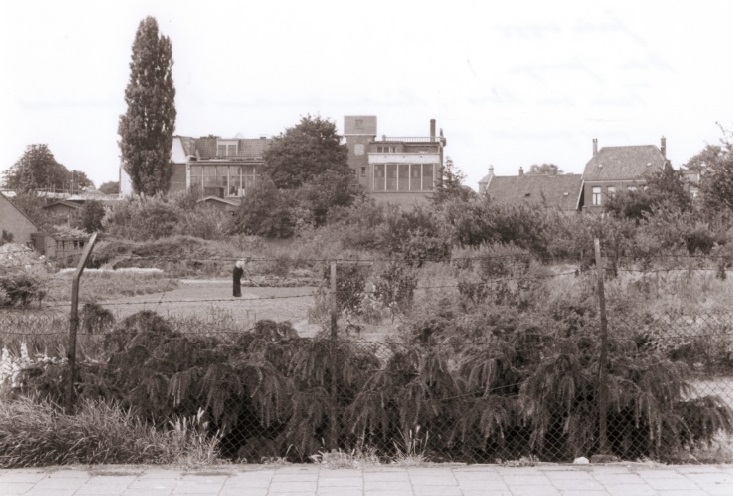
x=504, y=394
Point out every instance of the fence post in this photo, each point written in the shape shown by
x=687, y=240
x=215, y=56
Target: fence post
x=74, y=321
x=602, y=366
x=334, y=431
x=334, y=302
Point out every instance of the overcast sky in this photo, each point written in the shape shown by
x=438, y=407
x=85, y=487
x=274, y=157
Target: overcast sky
x=510, y=83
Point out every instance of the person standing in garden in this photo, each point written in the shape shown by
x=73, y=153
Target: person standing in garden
x=237, y=278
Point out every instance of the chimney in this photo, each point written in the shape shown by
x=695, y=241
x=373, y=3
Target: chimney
x=595, y=146
x=491, y=170
x=432, y=129
x=521, y=172
x=664, y=147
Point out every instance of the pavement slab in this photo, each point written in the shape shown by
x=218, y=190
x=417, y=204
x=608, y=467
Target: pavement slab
x=618, y=479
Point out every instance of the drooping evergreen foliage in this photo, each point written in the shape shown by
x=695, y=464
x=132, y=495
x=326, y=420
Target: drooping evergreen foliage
x=146, y=128
x=500, y=384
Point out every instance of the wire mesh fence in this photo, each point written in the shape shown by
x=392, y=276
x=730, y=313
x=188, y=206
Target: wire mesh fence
x=267, y=393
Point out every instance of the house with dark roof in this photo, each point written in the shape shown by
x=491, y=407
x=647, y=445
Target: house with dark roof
x=226, y=168
x=617, y=168
x=553, y=191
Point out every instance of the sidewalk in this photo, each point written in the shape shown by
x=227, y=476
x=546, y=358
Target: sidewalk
x=623, y=479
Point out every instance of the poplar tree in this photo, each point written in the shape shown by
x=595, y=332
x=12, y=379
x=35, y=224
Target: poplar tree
x=146, y=128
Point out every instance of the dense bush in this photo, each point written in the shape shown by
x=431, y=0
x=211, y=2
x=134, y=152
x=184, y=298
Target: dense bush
x=484, y=386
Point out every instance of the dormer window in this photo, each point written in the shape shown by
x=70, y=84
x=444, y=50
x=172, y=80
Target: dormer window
x=226, y=148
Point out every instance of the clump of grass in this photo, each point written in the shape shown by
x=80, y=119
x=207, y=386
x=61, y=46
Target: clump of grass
x=35, y=434
x=412, y=450
x=359, y=457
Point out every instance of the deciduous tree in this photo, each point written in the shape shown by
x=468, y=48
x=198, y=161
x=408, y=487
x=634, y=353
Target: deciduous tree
x=146, y=129
x=304, y=151
x=37, y=168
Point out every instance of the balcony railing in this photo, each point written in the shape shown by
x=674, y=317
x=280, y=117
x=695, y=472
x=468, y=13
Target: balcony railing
x=411, y=139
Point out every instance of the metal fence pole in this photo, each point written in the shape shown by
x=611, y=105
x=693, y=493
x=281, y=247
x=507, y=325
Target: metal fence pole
x=74, y=321
x=334, y=434
x=334, y=303
x=603, y=365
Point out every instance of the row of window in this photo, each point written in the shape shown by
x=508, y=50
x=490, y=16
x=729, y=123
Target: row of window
x=226, y=150
x=403, y=177
x=233, y=179
x=597, y=193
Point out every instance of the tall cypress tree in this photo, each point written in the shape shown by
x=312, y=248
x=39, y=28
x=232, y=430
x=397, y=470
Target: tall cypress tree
x=147, y=127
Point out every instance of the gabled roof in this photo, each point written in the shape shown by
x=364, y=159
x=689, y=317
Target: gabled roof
x=218, y=199
x=206, y=148
x=65, y=203
x=4, y=196
x=560, y=190
x=623, y=163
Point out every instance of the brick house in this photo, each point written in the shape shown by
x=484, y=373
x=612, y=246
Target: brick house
x=556, y=192
x=400, y=170
x=225, y=168
x=617, y=168
x=15, y=222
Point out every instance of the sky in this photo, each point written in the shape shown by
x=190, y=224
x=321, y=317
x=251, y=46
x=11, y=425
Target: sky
x=511, y=84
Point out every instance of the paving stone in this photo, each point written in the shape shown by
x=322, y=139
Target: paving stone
x=534, y=490
x=12, y=488
x=295, y=477
x=578, y=485
x=682, y=492
x=101, y=489
x=332, y=480
x=190, y=487
x=527, y=480
x=631, y=490
x=22, y=476
x=293, y=486
x=387, y=486
x=575, y=475
x=386, y=476
x=614, y=479
x=490, y=485
x=671, y=483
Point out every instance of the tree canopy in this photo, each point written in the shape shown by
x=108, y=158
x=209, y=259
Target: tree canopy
x=110, y=187
x=38, y=169
x=547, y=169
x=451, y=185
x=304, y=151
x=715, y=164
x=146, y=129
x=663, y=188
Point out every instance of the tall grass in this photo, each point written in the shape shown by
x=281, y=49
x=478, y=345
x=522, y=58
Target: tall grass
x=36, y=434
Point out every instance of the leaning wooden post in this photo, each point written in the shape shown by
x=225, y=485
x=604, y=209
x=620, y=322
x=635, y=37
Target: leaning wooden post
x=74, y=321
x=603, y=365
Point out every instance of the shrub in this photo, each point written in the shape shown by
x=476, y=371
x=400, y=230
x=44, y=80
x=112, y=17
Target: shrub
x=90, y=216
x=265, y=212
x=143, y=219
x=20, y=288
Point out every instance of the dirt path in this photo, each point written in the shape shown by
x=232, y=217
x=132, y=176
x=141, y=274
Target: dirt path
x=212, y=300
